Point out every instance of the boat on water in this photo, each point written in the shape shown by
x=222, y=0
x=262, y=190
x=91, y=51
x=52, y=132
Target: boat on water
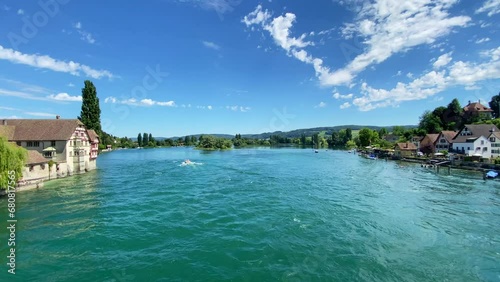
x=316, y=151
x=491, y=174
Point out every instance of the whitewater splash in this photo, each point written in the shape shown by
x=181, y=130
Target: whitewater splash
x=190, y=163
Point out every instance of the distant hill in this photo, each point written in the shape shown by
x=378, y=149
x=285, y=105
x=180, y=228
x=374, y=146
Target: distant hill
x=294, y=133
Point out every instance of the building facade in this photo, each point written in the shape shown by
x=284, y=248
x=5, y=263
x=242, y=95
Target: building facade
x=71, y=147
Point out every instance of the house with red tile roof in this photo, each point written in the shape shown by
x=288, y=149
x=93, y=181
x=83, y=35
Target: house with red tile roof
x=406, y=149
x=71, y=146
x=477, y=109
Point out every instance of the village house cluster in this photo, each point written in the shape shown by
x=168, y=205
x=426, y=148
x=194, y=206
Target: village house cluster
x=56, y=147
x=481, y=141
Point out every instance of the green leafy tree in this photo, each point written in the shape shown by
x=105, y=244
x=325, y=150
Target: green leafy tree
x=348, y=135
x=150, y=138
x=139, y=140
x=430, y=123
x=398, y=130
x=90, y=114
x=303, y=139
x=365, y=136
x=495, y=105
x=335, y=139
x=12, y=158
x=382, y=133
x=145, y=139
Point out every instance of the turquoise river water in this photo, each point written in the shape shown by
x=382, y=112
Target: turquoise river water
x=256, y=215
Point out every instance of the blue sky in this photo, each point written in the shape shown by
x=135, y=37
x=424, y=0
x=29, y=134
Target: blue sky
x=180, y=67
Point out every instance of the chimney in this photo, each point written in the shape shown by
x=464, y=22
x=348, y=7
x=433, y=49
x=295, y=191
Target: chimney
x=58, y=117
x=4, y=122
x=406, y=145
x=469, y=103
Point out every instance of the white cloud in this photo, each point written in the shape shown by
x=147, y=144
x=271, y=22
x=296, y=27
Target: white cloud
x=460, y=73
x=71, y=84
x=20, y=94
x=237, y=108
x=135, y=102
x=442, y=61
x=256, y=17
x=166, y=104
x=211, y=45
x=337, y=95
x=387, y=26
x=46, y=62
x=209, y=107
x=490, y=6
x=65, y=97
x=39, y=114
x=345, y=105
x=482, y=40
x=20, y=12
x=320, y=105
x=84, y=35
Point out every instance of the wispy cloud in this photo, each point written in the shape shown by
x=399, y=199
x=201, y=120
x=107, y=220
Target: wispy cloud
x=211, y=45
x=47, y=62
x=337, y=95
x=320, y=105
x=482, y=40
x=20, y=94
x=71, y=84
x=492, y=7
x=84, y=35
x=20, y=12
x=143, y=102
x=219, y=6
x=388, y=28
x=237, y=108
x=442, y=61
x=65, y=97
x=459, y=73
x=37, y=114
x=345, y=105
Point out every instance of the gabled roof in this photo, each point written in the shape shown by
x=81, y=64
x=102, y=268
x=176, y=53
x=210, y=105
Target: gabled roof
x=477, y=131
x=429, y=140
x=496, y=134
x=35, y=158
x=42, y=129
x=7, y=131
x=476, y=107
x=92, y=135
x=408, y=146
x=448, y=135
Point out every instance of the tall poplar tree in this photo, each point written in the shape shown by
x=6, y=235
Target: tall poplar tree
x=139, y=140
x=145, y=139
x=91, y=112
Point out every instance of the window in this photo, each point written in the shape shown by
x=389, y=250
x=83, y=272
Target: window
x=33, y=144
x=482, y=142
x=18, y=143
x=53, y=143
x=492, y=139
x=468, y=148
